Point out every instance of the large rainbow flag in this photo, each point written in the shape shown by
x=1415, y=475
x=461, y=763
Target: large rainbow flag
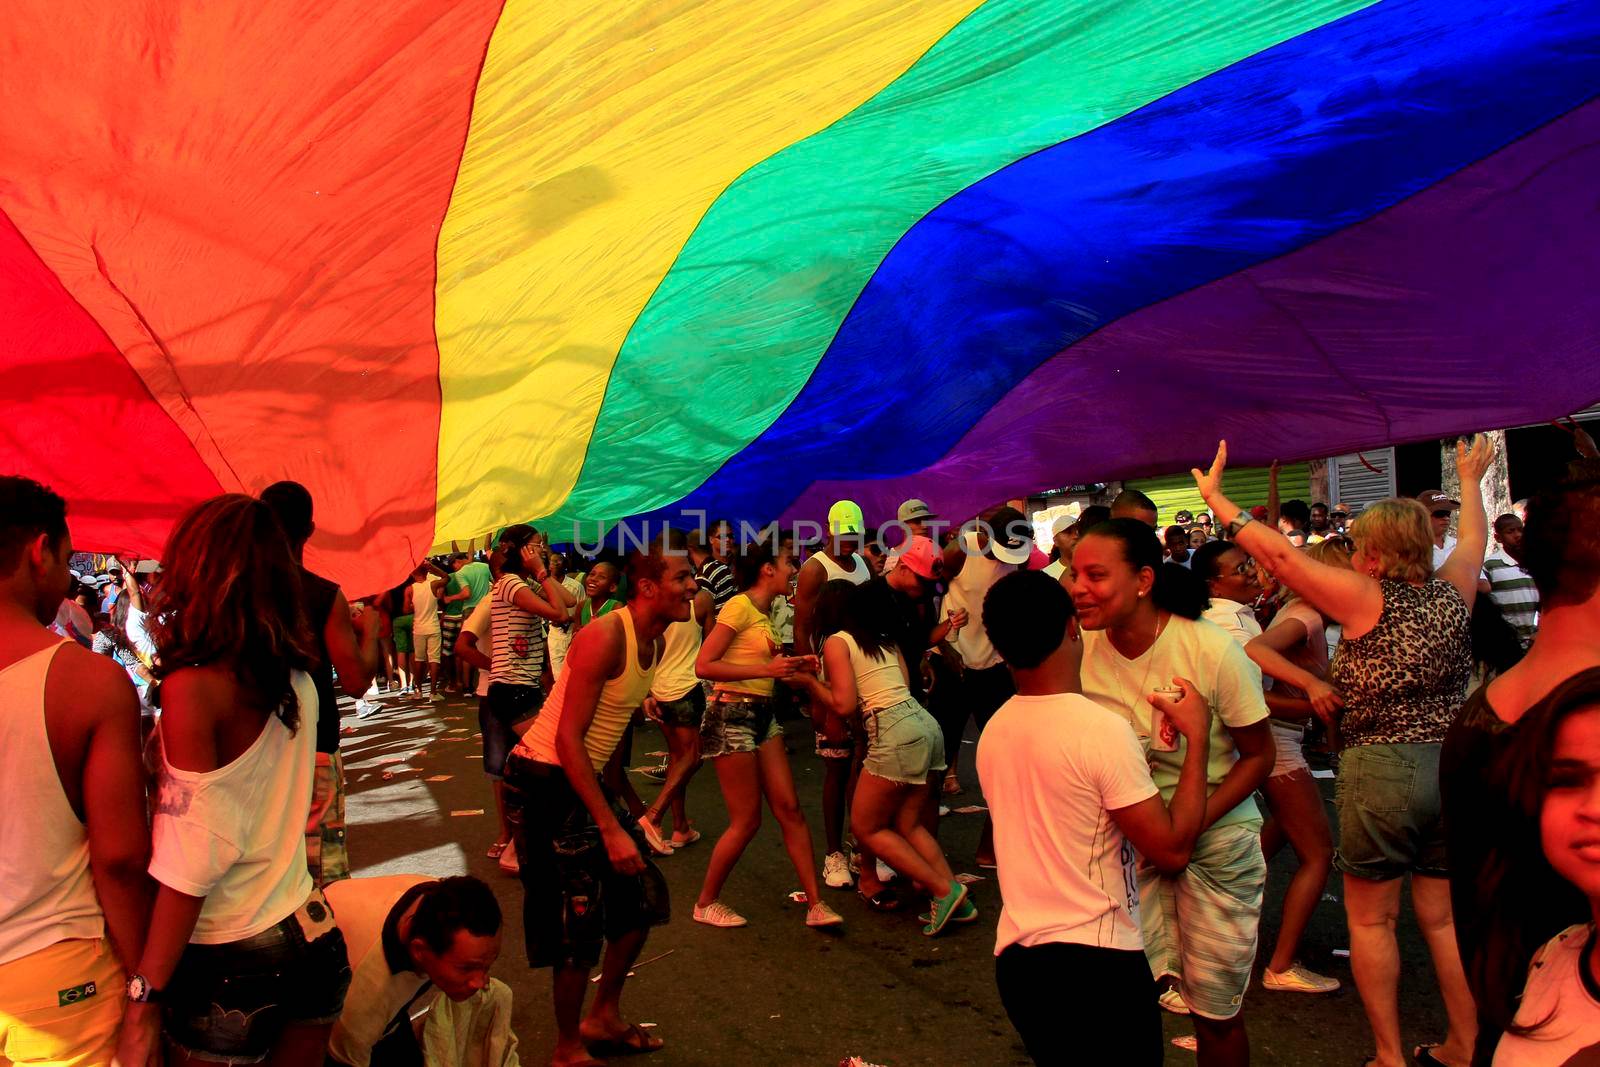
x=454, y=263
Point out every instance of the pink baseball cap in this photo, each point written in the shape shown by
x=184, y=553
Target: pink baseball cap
x=921, y=558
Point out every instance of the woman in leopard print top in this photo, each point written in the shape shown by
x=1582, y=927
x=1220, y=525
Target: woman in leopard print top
x=1404, y=680
x=1401, y=672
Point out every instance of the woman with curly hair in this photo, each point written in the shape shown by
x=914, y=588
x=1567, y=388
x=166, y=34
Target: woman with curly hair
x=242, y=954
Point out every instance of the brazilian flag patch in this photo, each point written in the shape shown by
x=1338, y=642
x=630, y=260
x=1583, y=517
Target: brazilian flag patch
x=65, y=997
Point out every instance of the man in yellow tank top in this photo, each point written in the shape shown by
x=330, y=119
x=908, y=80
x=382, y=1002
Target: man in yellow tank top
x=75, y=900
x=585, y=873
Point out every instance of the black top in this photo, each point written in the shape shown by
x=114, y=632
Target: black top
x=318, y=594
x=1475, y=767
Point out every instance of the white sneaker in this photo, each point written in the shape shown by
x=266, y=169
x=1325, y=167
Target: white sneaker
x=1298, y=980
x=819, y=914
x=836, y=871
x=365, y=707
x=652, y=835
x=717, y=913
x=1173, y=1001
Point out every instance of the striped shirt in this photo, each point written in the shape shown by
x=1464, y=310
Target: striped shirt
x=716, y=578
x=518, y=636
x=1514, y=594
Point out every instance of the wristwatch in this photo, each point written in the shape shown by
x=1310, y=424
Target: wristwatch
x=1240, y=521
x=141, y=991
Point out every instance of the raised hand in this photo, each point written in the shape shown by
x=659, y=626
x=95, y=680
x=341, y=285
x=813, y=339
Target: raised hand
x=1472, y=463
x=1210, y=482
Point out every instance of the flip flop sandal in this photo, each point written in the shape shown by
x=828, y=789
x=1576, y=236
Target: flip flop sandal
x=1423, y=1054
x=634, y=1041
x=496, y=849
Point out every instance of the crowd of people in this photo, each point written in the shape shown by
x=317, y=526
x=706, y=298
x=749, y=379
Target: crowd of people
x=1143, y=697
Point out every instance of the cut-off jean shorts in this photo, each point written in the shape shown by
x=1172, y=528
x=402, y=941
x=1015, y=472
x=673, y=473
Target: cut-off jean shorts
x=904, y=743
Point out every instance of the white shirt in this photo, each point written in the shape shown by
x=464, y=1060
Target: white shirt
x=1208, y=656
x=880, y=682
x=1557, y=988
x=1442, y=554
x=480, y=624
x=236, y=835
x=1234, y=617
x=1056, y=569
x=424, y=609
x=967, y=590
x=1052, y=768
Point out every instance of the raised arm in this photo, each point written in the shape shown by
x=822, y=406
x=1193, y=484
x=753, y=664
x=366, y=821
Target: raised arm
x=1472, y=530
x=1352, y=599
x=551, y=605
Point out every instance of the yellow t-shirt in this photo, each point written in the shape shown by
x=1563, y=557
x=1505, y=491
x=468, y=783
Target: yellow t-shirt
x=754, y=643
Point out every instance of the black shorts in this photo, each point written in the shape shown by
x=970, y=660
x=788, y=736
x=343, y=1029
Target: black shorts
x=233, y=1001
x=687, y=710
x=511, y=704
x=573, y=900
x=984, y=691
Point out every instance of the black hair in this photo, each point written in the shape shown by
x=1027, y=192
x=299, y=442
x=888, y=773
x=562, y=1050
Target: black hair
x=451, y=904
x=1561, y=539
x=512, y=540
x=702, y=537
x=1025, y=614
x=1176, y=588
x=27, y=509
x=1315, y=504
x=1520, y=899
x=1093, y=516
x=1179, y=531
x=832, y=610
x=650, y=563
x=748, y=563
x=1204, y=560
x=291, y=502
x=1297, y=512
x=872, y=619
x=1133, y=500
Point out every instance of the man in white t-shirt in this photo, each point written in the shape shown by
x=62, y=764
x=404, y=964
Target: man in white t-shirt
x=1440, y=507
x=1072, y=798
x=427, y=638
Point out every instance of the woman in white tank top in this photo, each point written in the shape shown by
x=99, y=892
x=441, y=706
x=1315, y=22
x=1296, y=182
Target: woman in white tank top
x=238, y=928
x=866, y=677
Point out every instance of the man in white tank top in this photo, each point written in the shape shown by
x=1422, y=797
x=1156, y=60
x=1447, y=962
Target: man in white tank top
x=836, y=743
x=599, y=881
x=75, y=900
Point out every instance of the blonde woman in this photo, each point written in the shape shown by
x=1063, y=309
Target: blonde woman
x=1402, y=670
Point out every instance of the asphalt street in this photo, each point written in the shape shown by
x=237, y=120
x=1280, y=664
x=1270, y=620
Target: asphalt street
x=776, y=992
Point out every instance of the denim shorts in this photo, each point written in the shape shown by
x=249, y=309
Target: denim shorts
x=498, y=715
x=1391, y=822
x=687, y=710
x=736, y=723
x=230, y=1003
x=904, y=743
x=573, y=899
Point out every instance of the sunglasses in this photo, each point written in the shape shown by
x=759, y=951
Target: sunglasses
x=1442, y=513
x=1245, y=568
